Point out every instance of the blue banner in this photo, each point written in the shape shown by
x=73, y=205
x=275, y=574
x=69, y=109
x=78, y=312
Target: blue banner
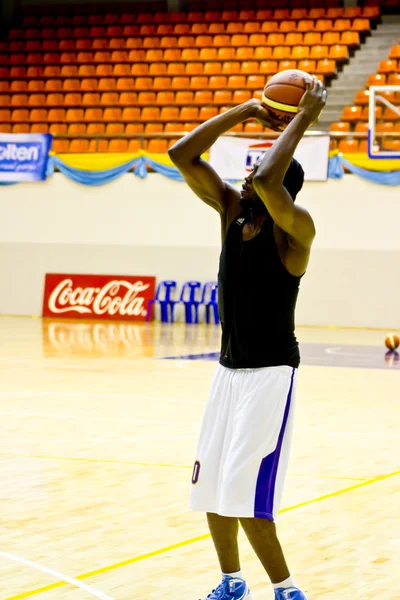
x=23, y=157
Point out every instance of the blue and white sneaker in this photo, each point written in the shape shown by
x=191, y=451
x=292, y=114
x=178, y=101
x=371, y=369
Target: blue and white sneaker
x=230, y=588
x=289, y=594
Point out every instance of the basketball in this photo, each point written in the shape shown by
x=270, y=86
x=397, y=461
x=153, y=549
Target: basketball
x=283, y=92
x=392, y=341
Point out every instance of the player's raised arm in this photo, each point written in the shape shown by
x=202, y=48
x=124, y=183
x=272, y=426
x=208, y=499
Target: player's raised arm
x=269, y=176
x=199, y=175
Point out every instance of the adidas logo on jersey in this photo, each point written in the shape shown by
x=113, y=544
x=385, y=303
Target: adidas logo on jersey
x=240, y=221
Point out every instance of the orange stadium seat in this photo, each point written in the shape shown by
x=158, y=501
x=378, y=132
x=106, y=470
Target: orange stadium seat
x=233, y=27
x=35, y=71
x=319, y=52
x=35, y=85
x=118, y=145
x=154, y=128
x=112, y=114
x=4, y=100
x=169, y=113
x=55, y=128
x=69, y=70
x=104, y=70
x=253, y=127
x=184, y=97
x=350, y=38
x=55, y=99
x=60, y=146
x=281, y=13
x=163, y=83
x=150, y=113
x=329, y=38
x=387, y=66
x=361, y=25
x=260, y=39
x=365, y=112
x=128, y=83
x=269, y=27
x=79, y=146
x=252, y=27
x=165, y=97
x=264, y=14
x=39, y=128
x=249, y=67
x=203, y=97
x=351, y=113
x=361, y=127
x=362, y=97
x=276, y=39
x=262, y=52
x=334, y=12
x=216, y=28
x=217, y=82
x=75, y=128
x=210, y=68
x=73, y=99
x=281, y=52
x=300, y=52
x=339, y=53
x=269, y=67
x=74, y=115
x=203, y=41
x=21, y=128
x=115, y=128
x=146, y=98
x=18, y=86
x=198, y=82
x=19, y=115
x=71, y=84
x=187, y=53
x=141, y=68
x=15, y=72
x=376, y=79
x=93, y=114
x=38, y=115
x=299, y=13
x=189, y=113
x=122, y=55
x=180, y=83
x=237, y=82
x=36, y=100
x=287, y=26
x=244, y=53
x=179, y=28
x=222, y=97
x=19, y=99
x=96, y=128
x=157, y=146
x=293, y=39
x=231, y=67
x=220, y=53
x=326, y=66
x=98, y=146
x=394, y=52
x=284, y=65
x=339, y=126
x=312, y=38
x=394, y=79
x=348, y=146
x=324, y=25
x=121, y=69
x=100, y=44
x=128, y=98
x=134, y=128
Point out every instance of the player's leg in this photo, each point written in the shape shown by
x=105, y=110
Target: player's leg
x=262, y=536
x=224, y=532
x=213, y=445
x=256, y=465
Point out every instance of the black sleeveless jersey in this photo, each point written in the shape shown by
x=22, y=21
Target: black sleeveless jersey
x=256, y=300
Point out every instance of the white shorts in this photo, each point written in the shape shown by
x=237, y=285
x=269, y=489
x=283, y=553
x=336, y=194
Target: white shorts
x=243, y=450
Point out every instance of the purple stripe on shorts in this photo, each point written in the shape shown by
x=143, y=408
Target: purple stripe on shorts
x=265, y=490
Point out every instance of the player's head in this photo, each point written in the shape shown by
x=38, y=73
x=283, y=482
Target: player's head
x=293, y=182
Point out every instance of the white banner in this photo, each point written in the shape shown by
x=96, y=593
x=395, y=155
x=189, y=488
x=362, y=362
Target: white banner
x=234, y=158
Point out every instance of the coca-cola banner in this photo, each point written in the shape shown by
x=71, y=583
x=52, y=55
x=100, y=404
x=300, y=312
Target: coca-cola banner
x=118, y=297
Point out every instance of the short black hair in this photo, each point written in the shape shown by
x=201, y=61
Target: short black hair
x=294, y=178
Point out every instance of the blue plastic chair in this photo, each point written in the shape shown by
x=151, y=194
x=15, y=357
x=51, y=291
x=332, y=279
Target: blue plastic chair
x=209, y=300
x=163, y=298
x=189, y=292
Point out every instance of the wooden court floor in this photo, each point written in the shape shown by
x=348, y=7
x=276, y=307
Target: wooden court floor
x=98, y=434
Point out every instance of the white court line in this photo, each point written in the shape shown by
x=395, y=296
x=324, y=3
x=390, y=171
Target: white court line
x=91, y=590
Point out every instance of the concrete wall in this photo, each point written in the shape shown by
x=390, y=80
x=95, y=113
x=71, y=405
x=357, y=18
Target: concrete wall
x=158, y=227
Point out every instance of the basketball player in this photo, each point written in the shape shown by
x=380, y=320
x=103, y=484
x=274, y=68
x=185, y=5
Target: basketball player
x=243, y=451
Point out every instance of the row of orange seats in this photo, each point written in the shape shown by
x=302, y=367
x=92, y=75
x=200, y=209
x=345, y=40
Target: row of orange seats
x=111, y=129
x=362, y=97
x=383, y=79
x=84, y=59
x=56, y=56
x=194, y=82
x=349, y=12
x=360, y=113
x=389, y=66
x=113, y=115
x=361, y=146
x=362, y=127
x=119, y=32
x=162, y=98
x=80, y=146
x=288, y=50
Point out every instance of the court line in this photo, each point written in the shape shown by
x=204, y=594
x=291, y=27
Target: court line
x=145, y=464
x=64, y=578
x=184, y=543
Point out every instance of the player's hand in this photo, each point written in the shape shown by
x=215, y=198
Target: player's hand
x=264, y=117
x=313, y=100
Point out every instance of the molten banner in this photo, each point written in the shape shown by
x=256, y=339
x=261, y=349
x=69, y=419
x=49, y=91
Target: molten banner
x=97, y=296
x=24, y=157
x=234, y=158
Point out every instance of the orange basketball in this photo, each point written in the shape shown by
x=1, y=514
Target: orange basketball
x=283, y=92
x=392, y=341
